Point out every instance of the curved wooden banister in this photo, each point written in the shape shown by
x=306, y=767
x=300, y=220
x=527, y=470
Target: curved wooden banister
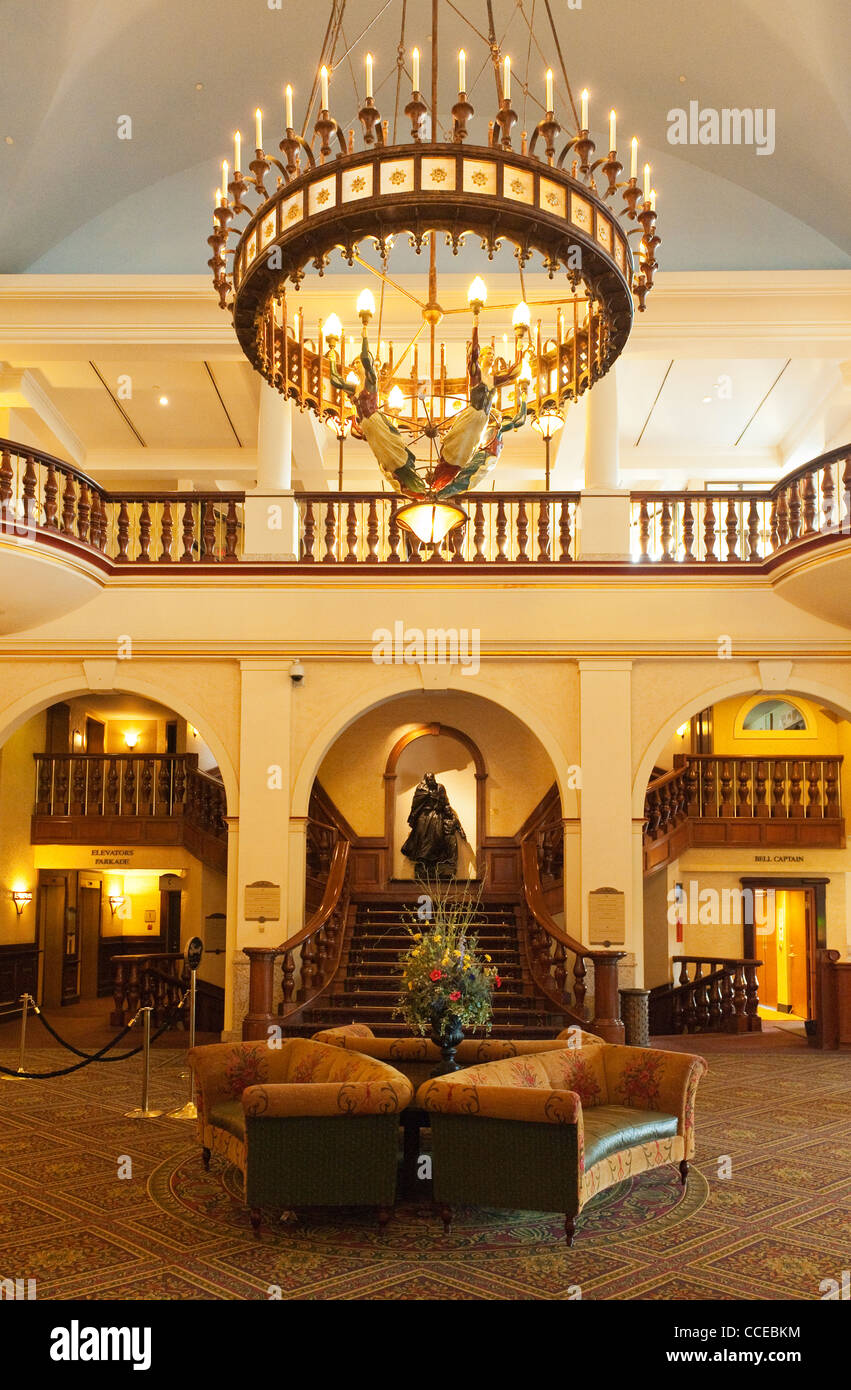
x=534, y=895
x=547, y=944
x=724, y=1000
x=330, y=898
x=320, y=942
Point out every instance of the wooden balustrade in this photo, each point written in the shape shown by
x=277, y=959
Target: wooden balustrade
x=157, y=980
x=723, y=998
x=45, y=497
x=309, y=960
x=726, y=527
x=503, y=528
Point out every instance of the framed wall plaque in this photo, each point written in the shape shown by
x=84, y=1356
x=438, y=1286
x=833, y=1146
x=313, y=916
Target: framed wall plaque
x=606, y=917
x=262, y=901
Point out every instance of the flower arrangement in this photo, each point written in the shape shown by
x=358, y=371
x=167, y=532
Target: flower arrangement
x=447, y=985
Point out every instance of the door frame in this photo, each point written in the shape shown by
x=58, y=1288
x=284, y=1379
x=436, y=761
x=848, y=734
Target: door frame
x=816, y=890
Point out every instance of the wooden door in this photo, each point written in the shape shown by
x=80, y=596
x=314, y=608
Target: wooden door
x=52, y=918
x=95, y=731
x=766, y=948
x=88, y=916
x=58, y=731
x=799, y=920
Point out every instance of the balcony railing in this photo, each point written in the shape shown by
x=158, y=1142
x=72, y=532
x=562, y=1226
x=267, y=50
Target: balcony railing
x=52, y=502
x=43, y=498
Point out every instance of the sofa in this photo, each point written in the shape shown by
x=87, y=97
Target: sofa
x=547, y=1132
x=416, y=1058
x=306, y=1124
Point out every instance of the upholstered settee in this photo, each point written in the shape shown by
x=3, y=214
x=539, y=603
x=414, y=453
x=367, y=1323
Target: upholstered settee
x=550, y=1131
x=307, y=1124
x=416, y=1058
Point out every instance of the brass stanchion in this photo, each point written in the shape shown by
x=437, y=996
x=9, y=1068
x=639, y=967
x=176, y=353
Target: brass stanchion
x=194, y=952
x=26, y=999
x=144, y=1112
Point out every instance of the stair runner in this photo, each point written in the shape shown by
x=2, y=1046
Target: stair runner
x=368, y=983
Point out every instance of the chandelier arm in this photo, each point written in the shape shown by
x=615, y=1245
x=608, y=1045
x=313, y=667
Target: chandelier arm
x=401, y=358
x=467, y=21
x=386, y=280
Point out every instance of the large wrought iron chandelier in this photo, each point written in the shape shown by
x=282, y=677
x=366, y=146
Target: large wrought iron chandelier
x=545, y=193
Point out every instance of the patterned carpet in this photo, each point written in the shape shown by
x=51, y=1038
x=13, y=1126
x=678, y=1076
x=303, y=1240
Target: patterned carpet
x=777, y=1226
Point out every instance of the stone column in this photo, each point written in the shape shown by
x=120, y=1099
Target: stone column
x=236, y=974
x=604, y=528
x=271, y=530
x=264, y=767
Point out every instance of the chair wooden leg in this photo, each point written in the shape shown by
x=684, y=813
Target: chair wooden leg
x=684, y=1171
x=446, y=1218
x=254, y=1218
x=383, y=1218
x=205, y=1159
x=569, y=1229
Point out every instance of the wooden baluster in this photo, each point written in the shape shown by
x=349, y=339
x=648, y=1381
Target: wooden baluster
x=7, y=480
x=743, y=779
x=688, y=532
x=579, y=987
x=794, y=511
x=501, y=531
x=144, y=555
x=230, y=556
x=564, y=532
x=287, y=977
x=692, y=788
x=643, y=531
x=128, y=788
x=752, y=997
x=30, y=488
x=827, y=496
x=60, y=787
x=78, y=787
x=179, y=791
x=51, y=492
x=726, y=1001
x=652, y=812
x=329, y=558
x=457, y=537
x=831, y=791
x=778, y=787
x=166, y=534
x=112, y=789
x=134, y=988
x=774, y=539
x=664, y=808
x=163, y=807
x=753, y=531
x=372, y=534
x=188, y=555
x=116, y=1018
x=732, y=529
x=813, y=792
x=701, y=1000
x=715, y=1003
x=808, y=495
x=84, y=511
x=522, y=533
x=558, y=968
x=689, y=1001
x=123, y=533
x=146, y=788
x=709, y=789
x=665, y=529
x=44, y=779
x=684, y=975
x=846, y=492
x=726, y=808
x=208, y=529
x=69, y=506
x=709, y=530
x=782, y=519
x=760, y=791
x=309, y=537
x=796, y=809
x=393, y=534
x=308, y=966
x=351, y=557
x=544, y=531
x=479, y=533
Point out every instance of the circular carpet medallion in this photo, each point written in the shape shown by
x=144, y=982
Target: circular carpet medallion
x=653, y=1202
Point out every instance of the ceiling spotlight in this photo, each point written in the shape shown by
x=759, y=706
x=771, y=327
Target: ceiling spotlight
x=199, y=86
x=163, y=400
x=9, y=140
x=707, y=400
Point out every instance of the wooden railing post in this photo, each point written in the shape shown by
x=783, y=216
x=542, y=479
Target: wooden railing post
x=607, y=1020
x=261, y=989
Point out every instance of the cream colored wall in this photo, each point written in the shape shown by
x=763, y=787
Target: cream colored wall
x=751, y=744
x=17, y=795
x=657, y=952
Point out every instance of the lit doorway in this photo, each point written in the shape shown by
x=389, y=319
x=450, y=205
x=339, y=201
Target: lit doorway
x=787, y=925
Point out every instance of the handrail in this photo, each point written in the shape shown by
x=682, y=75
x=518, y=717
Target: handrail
x=534, y=895
x=330, y=898
x=548, y=944
x=715, y=960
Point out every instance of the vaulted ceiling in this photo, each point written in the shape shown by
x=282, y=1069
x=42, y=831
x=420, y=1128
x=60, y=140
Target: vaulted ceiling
x=76, y=198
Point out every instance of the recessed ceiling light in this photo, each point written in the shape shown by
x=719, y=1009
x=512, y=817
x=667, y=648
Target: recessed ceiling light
x=163, y=400
x=9, y=140
x=199, y=86
x=707, y=400
x=682, y=78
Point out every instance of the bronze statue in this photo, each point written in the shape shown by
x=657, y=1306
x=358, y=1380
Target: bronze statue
x=433, y=841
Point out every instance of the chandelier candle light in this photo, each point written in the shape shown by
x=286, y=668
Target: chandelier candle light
x=544, y=195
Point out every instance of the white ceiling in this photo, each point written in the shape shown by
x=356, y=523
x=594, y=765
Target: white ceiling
x=75, y=198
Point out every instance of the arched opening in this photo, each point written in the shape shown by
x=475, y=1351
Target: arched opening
x=113, y=828
x=745, y=854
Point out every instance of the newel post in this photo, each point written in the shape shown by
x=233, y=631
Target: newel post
x=607, y=1020
x=261, y=990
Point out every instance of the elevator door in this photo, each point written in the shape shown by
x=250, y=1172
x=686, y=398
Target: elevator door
x=52, y=904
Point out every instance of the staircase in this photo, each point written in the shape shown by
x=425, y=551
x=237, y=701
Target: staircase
x=367, y=984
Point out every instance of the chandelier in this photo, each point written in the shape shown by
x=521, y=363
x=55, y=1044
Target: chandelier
x=540, y=192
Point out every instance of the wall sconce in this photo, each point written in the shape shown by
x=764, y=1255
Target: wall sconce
x=20, y=897
x=115, y=902
x=131, y=738
x=683, y=730
x=78, y=738
x=193, y=731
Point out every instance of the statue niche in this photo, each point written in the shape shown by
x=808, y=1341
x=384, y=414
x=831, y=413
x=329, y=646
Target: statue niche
x=433, y=842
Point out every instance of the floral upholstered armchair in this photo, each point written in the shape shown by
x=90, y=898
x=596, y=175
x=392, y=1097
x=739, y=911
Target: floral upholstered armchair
x=416, y=1058
x=548, y=1132
x=307, y=1124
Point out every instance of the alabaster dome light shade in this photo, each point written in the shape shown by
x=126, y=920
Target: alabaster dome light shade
x=521, y=316
x=332, y=329
x=366, y=304
x=549, y=422
x=431, y=520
